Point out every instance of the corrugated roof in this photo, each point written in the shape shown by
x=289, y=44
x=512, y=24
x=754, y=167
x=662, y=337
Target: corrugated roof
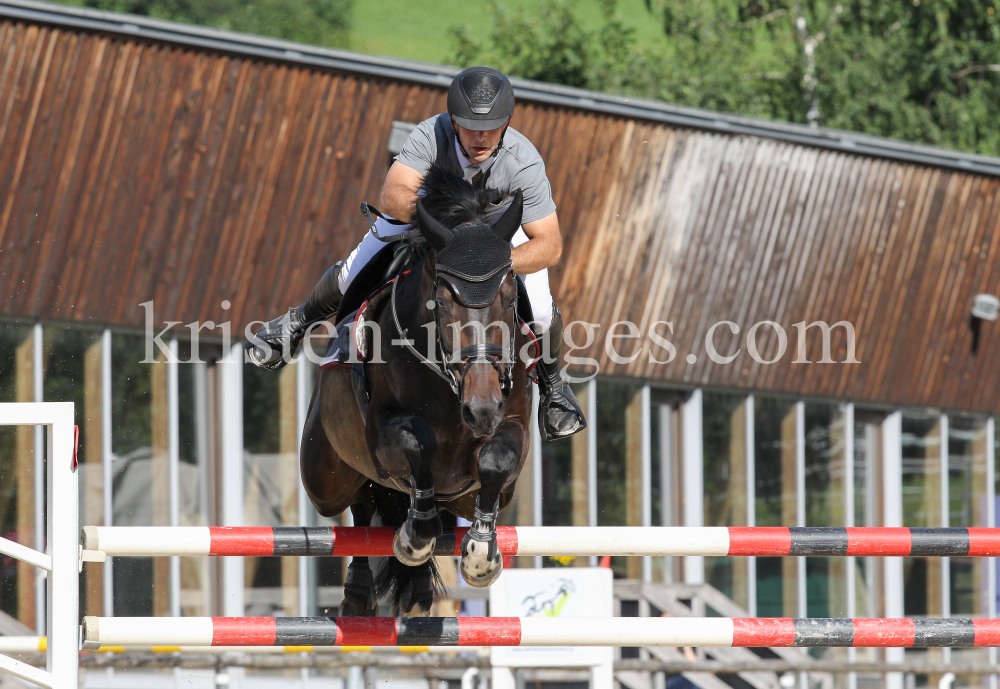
x=440, y=75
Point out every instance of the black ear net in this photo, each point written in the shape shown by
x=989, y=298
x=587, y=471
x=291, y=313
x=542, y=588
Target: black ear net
x=508, y=223
x=431, y=228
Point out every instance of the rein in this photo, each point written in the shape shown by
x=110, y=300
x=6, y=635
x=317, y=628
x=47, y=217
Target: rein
x=501, y=358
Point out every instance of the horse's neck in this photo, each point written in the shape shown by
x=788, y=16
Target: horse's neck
x=414, y=290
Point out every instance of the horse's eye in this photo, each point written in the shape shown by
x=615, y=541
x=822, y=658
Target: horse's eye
x=442, y=304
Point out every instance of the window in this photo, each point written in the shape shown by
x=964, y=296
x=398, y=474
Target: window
x=725, y=490
x=774, y=448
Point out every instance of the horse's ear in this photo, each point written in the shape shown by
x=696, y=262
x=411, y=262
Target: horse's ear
x=508, y=223
x=431, y=228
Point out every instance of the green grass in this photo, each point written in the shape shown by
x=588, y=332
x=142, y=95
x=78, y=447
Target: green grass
x=419, y=29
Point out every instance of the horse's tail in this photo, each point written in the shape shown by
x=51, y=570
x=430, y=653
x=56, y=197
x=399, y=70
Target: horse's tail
x=395, y=580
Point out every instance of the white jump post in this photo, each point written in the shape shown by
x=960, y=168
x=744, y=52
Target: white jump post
x=61, y=561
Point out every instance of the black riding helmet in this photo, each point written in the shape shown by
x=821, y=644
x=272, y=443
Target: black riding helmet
x=481, y=98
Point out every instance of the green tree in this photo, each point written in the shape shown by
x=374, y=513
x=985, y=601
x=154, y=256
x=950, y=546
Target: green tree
x=317, y=22
x=919, y=70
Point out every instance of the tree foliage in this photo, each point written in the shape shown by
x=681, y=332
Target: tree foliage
x=920, y=70
x=318, y=22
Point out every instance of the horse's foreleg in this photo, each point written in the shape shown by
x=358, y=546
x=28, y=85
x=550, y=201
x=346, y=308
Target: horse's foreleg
x=360, y=599
x=414, y=439
x=481, y=559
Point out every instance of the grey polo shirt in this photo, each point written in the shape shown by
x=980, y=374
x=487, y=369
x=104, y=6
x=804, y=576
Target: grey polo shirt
x=517, y=166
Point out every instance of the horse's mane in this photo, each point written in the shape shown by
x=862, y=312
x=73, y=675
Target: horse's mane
x=452, y=200
x=448, y=197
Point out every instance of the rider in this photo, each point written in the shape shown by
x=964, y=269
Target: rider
x=491, y=155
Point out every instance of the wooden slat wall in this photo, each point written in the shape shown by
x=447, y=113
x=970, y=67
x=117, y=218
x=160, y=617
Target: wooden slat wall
x=134, y=171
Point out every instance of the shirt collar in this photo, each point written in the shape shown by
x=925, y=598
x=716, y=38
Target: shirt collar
x=468, y=169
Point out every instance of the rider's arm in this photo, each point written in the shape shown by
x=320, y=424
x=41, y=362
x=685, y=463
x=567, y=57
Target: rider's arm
x=399, y=193
x=543, y=248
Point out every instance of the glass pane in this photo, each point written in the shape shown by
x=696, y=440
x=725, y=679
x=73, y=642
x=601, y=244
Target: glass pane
x=270, y=481
x=17, y=457
x=557, y=482
x=922, y=508
x=774, y=454
x=825, y=473
x=967, y=507
x=132, y=458
x=617, y=420
x=194, y=477
x=866, y=454
x=663, y=451
x=724, y=448
x=968, y=584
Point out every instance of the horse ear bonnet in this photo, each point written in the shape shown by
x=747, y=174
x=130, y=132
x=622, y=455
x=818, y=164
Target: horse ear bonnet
x=473, y=257
x=436, y=234
x=510, y=221
x=476, y=262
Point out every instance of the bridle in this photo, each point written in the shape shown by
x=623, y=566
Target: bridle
x=499, y=357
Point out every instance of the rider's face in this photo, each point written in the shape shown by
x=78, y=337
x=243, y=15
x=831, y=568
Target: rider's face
x=479, y=144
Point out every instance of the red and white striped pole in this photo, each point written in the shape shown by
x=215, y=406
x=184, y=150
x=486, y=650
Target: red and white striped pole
x=536, y=631
x=147, y=541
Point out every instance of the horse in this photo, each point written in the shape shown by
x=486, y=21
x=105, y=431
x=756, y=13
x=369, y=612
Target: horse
x=447, y=419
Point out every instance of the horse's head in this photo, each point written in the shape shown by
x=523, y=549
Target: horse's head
x=474, y=294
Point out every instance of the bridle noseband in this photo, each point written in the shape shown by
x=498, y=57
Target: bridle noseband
x=499, y=357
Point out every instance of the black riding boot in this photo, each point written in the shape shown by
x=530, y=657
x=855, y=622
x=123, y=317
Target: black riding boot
x=276, y=342
x=559, y=412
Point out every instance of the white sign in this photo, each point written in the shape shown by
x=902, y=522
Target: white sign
x=552, y=592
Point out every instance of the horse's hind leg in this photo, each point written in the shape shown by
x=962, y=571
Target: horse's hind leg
x=360, y=599
x=481, y=559
x=412, y=438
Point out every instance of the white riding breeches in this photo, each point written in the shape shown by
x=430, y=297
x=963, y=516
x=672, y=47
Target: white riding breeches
x=537, y=284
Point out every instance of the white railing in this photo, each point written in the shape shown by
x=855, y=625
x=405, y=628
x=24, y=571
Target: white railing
x=61, y=561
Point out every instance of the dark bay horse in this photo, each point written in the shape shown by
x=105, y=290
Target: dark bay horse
x=447, y=423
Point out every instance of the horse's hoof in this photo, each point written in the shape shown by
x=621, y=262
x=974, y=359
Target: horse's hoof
x=359, y=601
x=416, y=599
x=478, y=568
x=411, y=551
x=350, y=609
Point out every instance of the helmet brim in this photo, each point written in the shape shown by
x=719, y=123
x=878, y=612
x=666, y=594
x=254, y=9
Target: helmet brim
x=480, y=125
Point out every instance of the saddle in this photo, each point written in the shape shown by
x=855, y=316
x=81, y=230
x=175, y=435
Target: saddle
x=350, y=346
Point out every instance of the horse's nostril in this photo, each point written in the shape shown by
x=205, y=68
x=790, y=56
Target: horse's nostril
x=468, y=416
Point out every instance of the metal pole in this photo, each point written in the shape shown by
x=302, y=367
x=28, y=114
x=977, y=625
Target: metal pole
x=802, y=602
x=666, y=446
x=302, y=395
x=231, y=377
x=850, y=592
x=691, y=451
x=107, y=463
x=647, y=477
x=38, y=383
x=591, y=458
x=991, y=521
x=536, y=471
x=892, y=472
x=199, y=372
x=751, y=488
x=174, y=458
x=945, y=561
x=63, y=540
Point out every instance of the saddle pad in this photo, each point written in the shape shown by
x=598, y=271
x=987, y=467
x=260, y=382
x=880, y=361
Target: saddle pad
x=341, y=350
